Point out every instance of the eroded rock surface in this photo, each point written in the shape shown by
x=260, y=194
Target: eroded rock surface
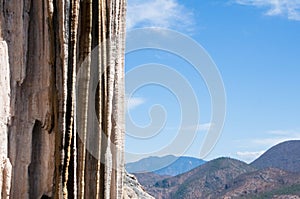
x=133, y=189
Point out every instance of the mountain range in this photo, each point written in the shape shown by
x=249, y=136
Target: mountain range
x=167, y=165
x=275, y=174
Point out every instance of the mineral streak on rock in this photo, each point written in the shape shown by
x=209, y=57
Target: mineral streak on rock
x=5, y=165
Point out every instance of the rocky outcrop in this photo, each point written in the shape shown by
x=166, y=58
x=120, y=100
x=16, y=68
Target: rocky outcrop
x=56, y=87
x=133, y=189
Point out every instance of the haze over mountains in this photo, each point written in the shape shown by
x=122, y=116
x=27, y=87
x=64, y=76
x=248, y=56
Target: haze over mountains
x=275, y=174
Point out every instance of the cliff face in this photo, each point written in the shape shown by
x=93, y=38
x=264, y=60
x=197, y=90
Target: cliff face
x=54, y=88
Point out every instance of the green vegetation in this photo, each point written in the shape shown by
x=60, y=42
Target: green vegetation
x=286, y=190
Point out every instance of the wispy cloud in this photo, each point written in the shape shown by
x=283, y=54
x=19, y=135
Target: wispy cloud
x=158, y=13
x=284, y=132
x=287, y=8
x=260, y=145
x=249, y=155
x=278, y=136
x=273, y=141
x=134, y=102
x=199, y=127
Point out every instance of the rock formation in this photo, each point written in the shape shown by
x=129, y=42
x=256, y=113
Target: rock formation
x=133, y=189
x=48, y=68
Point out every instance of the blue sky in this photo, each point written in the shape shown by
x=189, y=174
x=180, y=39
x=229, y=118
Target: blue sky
x=256, y=46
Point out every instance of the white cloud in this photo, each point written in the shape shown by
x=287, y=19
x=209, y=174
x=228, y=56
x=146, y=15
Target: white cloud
x=158, y=13
x=284, y=132
x=134, y=102
x=249, y=155
x=200, y=127
x=272, y=138
x=287, y=8
x=204, y=127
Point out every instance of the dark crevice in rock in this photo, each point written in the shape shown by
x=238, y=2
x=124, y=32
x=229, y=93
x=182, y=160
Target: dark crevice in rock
x=34, y=171
x=45, y=197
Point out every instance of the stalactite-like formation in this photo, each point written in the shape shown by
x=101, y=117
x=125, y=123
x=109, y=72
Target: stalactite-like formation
x=65, y=138
x=5, y=165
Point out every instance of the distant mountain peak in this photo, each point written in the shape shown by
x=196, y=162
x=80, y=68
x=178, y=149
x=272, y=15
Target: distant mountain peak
x=167, y=165
x=201, y=182
x=285, y=156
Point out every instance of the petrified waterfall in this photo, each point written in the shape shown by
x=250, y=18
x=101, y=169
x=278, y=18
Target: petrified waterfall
x=61, y=107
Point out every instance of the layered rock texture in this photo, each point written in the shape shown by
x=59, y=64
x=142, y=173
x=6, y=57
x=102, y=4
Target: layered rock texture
x=61, y=108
